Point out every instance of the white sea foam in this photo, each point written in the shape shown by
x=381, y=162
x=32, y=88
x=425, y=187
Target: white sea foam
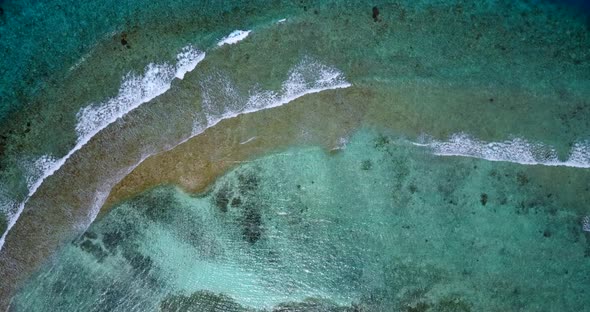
x=37, y=170
x=12, y=220
x=234, y=37
x=101, y=195
x=187, y=60
x=586, y=224
x=248, y=140
x=134, y=91
x=307, y=77
x=515, y=150
x=342, y=143
x=80, y=61
x=580, y=155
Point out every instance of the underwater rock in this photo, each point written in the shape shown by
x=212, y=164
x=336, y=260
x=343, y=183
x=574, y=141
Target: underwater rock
x=3, y=223
x=536, y=205
x=111, y=240
x=236, y=202
x=222, y=198
x=157, y=206
x=522, y=178
x=452, y=304
x=141, y=264
x=207, y=301
x=366, y=165
x=200, y=301
x=90, y=235
x=93, y=249
x=241, y=194
x=110, y=299
x=124, y=38
x=547, y=233
x=381, y=141
x=314, y=305
x=375, y=13
x=158, y=213
x=483, y=199
x=251, y=224
x=247, y=182
x=418, y=307
x=522, y=208
x=3, y=140
x=446, y=304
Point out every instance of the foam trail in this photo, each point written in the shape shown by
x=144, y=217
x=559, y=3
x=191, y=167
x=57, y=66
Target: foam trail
x=580, y=155
x=307, y=77
x=249, y=140
x=515, y=150
x=234, y=37
x=134, y=91
x=80, y=61
x=103, y=193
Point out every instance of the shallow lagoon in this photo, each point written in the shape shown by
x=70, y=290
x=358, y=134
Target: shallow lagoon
x=379, y=225
x=366, y=107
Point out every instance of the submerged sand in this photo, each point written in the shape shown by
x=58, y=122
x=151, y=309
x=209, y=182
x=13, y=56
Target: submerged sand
x=417, y=70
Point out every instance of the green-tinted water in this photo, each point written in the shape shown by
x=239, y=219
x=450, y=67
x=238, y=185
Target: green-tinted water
x=379, y=226
x=91, y=90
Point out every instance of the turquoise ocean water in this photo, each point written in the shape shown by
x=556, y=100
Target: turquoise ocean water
x=450, y=172
x=379, y=226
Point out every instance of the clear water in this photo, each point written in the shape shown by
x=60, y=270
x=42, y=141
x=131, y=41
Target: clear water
x=378, y=226
x=447, y=132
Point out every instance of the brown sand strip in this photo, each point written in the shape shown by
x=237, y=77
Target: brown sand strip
x=317, y=119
